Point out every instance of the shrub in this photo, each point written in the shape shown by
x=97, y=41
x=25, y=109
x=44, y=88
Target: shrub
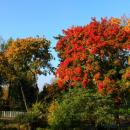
x=78, y=108
x=1, y=124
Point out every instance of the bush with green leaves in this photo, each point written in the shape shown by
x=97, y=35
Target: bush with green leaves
x=2, y=124
x=35, y=118
x=27, y=118
x=79, y=107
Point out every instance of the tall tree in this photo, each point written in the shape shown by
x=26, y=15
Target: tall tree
x=95, y=56
x=25, y=59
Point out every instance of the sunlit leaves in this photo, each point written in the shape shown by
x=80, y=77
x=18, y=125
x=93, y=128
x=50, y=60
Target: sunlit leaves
x=20, y=63
x=93, y=55
x=29, y=53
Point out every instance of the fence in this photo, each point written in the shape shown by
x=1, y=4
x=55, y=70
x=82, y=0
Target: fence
x=10, y=114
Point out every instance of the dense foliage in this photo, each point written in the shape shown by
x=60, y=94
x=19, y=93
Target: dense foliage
x=95, y=56
x=20, y=63
x=78, y=108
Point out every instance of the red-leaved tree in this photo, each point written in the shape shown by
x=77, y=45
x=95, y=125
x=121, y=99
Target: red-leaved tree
x=95, y=56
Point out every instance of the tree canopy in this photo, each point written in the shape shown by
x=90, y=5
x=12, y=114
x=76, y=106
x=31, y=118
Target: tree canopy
x=22, y=60
x=95, y=56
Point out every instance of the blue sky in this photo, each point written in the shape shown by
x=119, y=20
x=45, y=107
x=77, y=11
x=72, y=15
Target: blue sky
x=24, y=18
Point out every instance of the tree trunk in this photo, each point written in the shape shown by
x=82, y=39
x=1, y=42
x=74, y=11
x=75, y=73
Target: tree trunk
x=117, y=119
x=24, y=99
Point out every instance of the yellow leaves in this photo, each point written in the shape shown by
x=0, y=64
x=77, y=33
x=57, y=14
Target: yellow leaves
x=25, y=55
x=127, y=25
x=127, y=84
x=28, y=52
x=119, y=21
x=126, y=75
x=53, y=106
x=20, y=47
x=115, y=21
x=126, y=28
x=24, y=47
x=128, y=60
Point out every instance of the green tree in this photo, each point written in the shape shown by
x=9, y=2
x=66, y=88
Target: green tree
x=22, y=61
x=80, y=107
